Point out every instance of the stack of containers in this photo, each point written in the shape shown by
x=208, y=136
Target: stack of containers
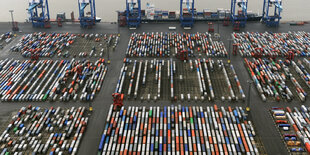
x=221, y=13
x=271, y=79
x=178, y=130
x=227, y=13
x=159, y=44
x=43, y=44
x=172, y=15
x=5, y=38
x=158, y=14
x=293, y=125
x=150, y=11
x=165, y=14
x=272, y=44
x=207, y=13
x=44, y=131
x=46, y=79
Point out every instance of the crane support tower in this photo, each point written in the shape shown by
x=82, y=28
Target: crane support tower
x=133, y=13
x=187, y=13
x=269, y=18
x=39, y=13
x=87, y=19
x=239, y=12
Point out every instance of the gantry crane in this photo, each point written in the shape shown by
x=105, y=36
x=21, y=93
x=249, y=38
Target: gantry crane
x=187, y=14
x=239, y=17
x=133, y=13
x=39, y=13
x=87, y=19
x=268, y=18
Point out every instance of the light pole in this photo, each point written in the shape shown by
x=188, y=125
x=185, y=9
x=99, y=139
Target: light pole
x=229, y=49
x=248, y=108
x=14, y=27
x=90, y=105
x=12, y=16
x=108, y=50
x=118, y=22
x=218, y=24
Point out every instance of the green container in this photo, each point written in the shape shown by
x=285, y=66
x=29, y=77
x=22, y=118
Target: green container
x=15, y=129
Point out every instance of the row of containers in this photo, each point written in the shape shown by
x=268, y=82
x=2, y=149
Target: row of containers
x=280, y=80
x=198, y=79
x=178, y=130
x=269, y=44
x=64, y=44
x=160, y=44
x=35, y=130
x=293, y=125
x=63, y=80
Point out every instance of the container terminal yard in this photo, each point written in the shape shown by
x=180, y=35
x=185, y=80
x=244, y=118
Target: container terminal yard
x=229, y=85
x=265, y=129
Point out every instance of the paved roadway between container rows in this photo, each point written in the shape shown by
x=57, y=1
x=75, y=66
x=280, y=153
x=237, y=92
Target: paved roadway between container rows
x=264, y=125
